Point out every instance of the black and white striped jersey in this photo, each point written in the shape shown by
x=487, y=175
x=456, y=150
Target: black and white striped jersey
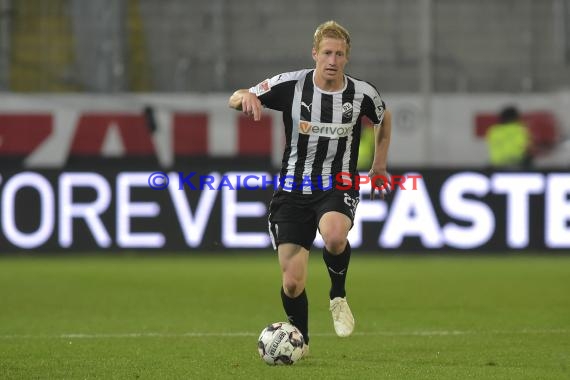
x=322, y=129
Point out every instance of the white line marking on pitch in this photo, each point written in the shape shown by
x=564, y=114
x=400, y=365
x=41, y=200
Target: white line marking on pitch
x=251, y=334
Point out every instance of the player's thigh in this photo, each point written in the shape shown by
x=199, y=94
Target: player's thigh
x=293, y=260
x=334, y=225
x=335, y=212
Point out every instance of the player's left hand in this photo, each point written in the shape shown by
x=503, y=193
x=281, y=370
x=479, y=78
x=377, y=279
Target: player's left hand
x=380, y=181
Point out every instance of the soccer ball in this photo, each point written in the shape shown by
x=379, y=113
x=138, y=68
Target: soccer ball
x=280, y=343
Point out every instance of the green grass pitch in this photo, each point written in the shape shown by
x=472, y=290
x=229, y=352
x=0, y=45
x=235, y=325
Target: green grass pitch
x=198, y=317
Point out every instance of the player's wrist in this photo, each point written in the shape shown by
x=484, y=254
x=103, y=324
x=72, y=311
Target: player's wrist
x=378, y=169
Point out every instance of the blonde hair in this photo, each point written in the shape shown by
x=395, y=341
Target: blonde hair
x=331, y=29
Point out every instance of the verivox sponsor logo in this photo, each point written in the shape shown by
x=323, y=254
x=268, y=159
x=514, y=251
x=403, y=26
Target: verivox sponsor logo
x=332, y=130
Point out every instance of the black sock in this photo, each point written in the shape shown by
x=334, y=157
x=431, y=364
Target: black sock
x=297, y=310
x=337, y=267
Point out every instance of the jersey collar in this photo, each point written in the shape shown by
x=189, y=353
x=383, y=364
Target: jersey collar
x=330, y=92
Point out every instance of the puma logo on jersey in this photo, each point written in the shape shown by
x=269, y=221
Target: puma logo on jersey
x=303, y=104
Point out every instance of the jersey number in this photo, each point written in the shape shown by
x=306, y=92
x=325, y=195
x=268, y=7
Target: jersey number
x=351, y=202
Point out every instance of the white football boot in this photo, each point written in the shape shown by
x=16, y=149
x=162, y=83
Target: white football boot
x=342, y=317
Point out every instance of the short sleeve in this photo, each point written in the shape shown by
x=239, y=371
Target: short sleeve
x=276, y=92
x=374, y=107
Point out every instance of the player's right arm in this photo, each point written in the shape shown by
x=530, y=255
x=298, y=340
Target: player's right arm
x=275, y=93
x=247, y=102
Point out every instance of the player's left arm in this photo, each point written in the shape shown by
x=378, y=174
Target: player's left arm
x=382, y=118
x=382, y=135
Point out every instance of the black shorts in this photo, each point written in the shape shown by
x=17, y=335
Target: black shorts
x=294, y=218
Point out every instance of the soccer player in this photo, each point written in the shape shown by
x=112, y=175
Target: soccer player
x=322, y=111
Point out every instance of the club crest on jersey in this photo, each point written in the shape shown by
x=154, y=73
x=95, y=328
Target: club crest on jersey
x=347, y=110
x=262, y=87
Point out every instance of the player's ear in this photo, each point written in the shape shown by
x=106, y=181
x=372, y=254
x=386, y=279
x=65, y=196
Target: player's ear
x=314, y=54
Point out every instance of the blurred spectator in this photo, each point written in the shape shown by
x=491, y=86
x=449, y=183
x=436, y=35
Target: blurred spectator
x=509, y=141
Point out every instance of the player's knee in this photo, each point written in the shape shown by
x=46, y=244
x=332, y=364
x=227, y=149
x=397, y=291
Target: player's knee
x=335, y=236
x=293, y=287
x=335, y=243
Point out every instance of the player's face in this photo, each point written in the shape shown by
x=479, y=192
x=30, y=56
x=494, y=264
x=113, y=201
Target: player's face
x=330, y=61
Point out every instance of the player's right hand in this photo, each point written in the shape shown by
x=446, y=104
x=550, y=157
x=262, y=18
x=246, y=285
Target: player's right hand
x=251, y=106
